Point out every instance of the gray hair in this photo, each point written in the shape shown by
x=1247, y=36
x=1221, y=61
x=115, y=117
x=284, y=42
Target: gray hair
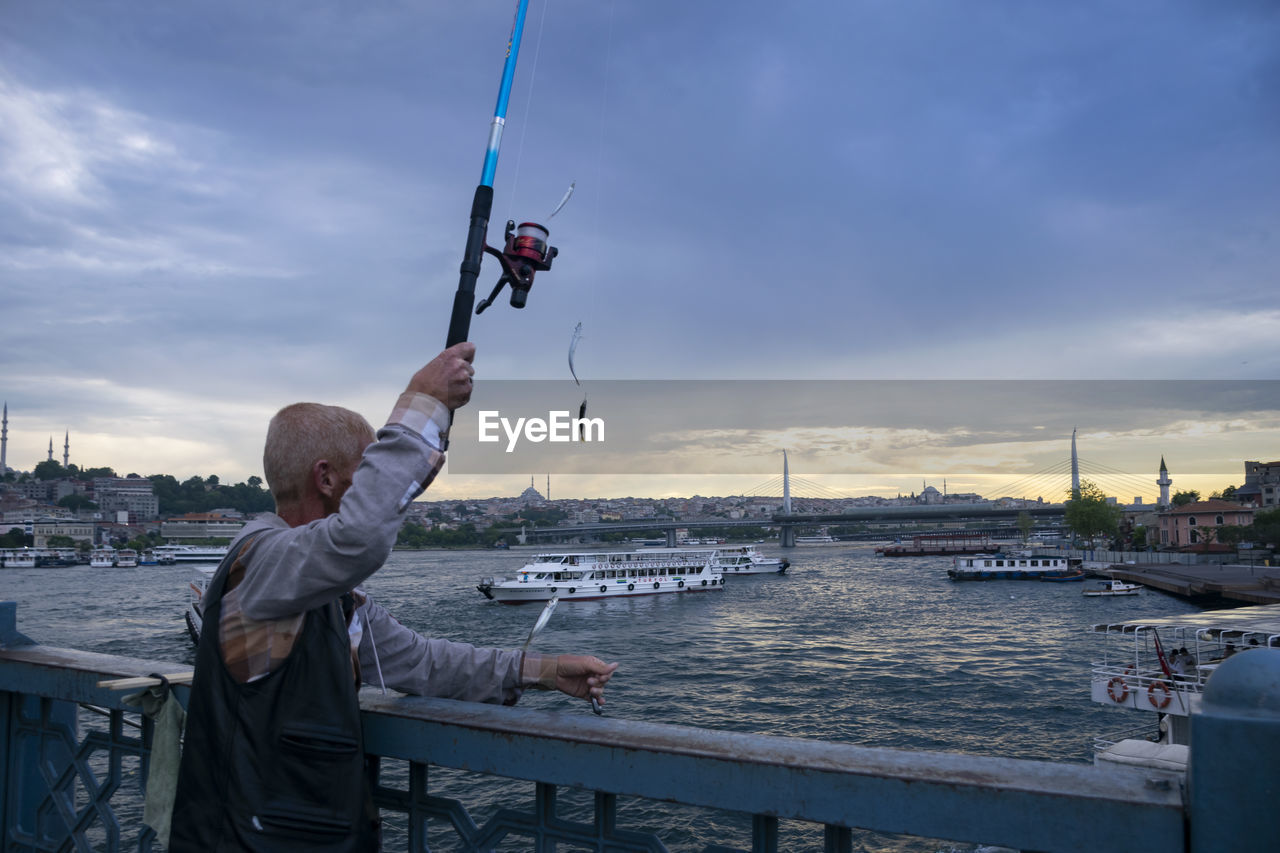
x=303, y=433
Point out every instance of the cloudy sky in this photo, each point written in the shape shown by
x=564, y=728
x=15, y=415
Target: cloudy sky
x=208, y=210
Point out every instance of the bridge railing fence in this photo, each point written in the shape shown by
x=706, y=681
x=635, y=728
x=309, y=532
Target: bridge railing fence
x=72, y=778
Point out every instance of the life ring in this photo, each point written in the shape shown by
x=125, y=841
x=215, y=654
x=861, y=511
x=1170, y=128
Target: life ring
x=630, y=587
x=572, y=590
x=1118, y=689
x=604, y=588
x=656, y=584
x=1162, y=702
x=704, y=583
x=680, y=584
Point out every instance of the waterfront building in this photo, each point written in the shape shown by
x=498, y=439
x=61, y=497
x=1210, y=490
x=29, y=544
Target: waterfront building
x=1261, y=484
x=1192, y=524
x=46, y=528
x=200, y=525
x=132, y=495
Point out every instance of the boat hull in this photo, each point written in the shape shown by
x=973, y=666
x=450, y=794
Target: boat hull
x=527, y=593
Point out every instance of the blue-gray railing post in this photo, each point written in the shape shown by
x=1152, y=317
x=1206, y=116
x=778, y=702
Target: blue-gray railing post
x=26, y=757
x=1234, y=769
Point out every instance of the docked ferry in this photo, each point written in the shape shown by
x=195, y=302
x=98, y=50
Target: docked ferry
x=190, y=553
x=746, y=560
x=614, y=574
x=1160, y=666
x=102, y=558
x=197, y=585
x=1014, y=567
x=126, y=558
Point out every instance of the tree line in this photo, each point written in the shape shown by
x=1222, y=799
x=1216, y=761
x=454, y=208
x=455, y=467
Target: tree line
x=194, y=494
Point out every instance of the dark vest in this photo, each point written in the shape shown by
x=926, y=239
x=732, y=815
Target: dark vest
x=276, y=764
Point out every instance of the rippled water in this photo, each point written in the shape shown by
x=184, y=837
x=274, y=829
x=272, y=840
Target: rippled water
x=846, y=646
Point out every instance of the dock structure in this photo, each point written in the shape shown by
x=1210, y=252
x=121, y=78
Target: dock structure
x=1206, y=583
x=65, y=773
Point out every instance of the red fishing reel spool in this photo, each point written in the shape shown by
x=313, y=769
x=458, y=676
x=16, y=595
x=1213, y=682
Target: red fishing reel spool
x=526, y=252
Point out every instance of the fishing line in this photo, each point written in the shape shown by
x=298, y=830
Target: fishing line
x=524, y=123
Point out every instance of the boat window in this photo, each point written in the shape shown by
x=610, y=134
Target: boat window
x=986, y=562
x=1035, y=562
x=999, y=562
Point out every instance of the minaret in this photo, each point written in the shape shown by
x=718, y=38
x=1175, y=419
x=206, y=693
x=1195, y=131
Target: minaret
x=1075, y=466
x=66, y=450
x=786, y=486
x=548, y=488
x=1164, y=483
x=4, y=440
x=50, y=448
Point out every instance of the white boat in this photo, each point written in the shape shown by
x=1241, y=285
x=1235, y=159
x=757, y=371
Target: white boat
x=1114, y=587
x=19, y=559
x=126, y=558
x=746, y=560
x=197, y=585
x=814, y=540
x=102, y=558
x=190, y=553
x=1013, y=567
x=612, y=574
x=1159, y=666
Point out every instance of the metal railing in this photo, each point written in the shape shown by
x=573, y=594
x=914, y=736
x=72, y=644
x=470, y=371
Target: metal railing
x=71, y=780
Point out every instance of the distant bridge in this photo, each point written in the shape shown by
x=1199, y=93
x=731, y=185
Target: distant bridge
x=936, y=514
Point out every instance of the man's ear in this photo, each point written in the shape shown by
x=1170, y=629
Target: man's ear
x=322, y=477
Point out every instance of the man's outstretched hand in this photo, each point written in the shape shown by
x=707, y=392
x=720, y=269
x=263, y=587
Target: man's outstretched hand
x=583, y=676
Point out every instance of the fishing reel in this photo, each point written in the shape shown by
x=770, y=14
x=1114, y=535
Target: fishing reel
x=526, y=253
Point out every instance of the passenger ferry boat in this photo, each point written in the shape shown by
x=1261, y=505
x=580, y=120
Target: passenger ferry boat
x=746, y=560
x=19, y=558
x=126, y=558
x=1160, y=666
x=614, y=574
x=168, y=554
x=197, y=585
x=102, y=558
x=1014, y=567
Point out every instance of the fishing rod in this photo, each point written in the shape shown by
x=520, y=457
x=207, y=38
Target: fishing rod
x=525, y=251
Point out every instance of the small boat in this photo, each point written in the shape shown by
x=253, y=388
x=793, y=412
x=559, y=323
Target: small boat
x=1114, y=587
x=586, y=576
x=1014, y=567
x=746, y=560
x=126, y=558
x=102, y=558
x=815, y=540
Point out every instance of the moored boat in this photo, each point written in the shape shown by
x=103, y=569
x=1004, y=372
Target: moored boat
x=1114, y=587
x=197, y=585
x=613, y=574
x=190, y=553
x=126, y=558
x=19, y=558
x=1160, y=666
x=1014, y=567
x=746, y=560
x=102, y=558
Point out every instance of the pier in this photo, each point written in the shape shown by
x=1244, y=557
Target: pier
x=76, y=759
x=1207, y=584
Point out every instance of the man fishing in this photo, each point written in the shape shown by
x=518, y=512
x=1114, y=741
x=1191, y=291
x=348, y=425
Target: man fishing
x=273, y=756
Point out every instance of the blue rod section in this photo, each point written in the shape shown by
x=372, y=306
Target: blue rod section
x=504, y=95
